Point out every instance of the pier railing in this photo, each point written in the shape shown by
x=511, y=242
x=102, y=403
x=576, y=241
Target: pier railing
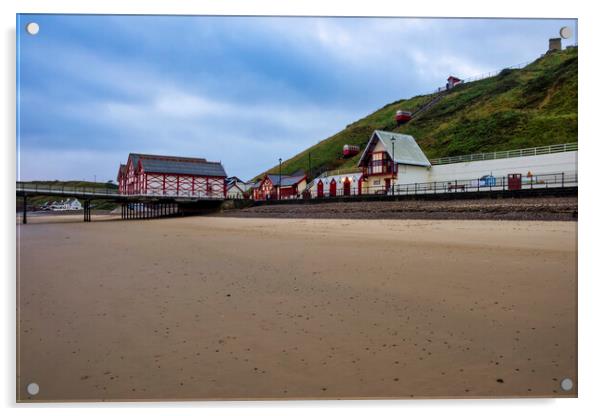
x=532, y=151
x=89, y=192
x=35, y=188
x=484, y=184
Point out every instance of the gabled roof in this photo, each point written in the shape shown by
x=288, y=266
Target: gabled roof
x=241, y=186
x=407, y=151
x=285, y=180
x=339, y=178
x=232, y=179
x=121, y=170
x=178, y=165
x=452, y=78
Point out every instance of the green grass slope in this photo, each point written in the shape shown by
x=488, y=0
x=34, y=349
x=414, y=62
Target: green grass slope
x=528, y=107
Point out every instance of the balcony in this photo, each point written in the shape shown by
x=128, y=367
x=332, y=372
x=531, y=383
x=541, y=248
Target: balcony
x=380, y=167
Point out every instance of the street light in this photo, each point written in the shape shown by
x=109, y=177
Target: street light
x=279, y=176
x=393, y=144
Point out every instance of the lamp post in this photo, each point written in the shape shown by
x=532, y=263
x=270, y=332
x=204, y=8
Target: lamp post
x=279, y=176
x=393, y=166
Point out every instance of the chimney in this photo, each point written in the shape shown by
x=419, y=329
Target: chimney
x=555, y=45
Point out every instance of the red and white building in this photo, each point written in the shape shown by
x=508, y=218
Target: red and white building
x=155, y=175
x=337, y=184
x=280, y=187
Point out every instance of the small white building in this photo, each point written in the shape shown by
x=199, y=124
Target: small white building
x=237, y=189
x=67, y=205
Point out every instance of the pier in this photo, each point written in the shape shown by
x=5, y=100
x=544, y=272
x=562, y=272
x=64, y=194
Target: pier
x=145, y=206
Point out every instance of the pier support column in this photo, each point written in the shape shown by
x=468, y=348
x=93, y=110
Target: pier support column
x=24, y=209
x=87, y=216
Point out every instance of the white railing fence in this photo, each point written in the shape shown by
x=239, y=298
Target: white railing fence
x=532, y=151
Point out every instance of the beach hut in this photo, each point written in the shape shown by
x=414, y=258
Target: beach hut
x=333, y=187
x=320, y=189
x=338, y=184
x=346, y=187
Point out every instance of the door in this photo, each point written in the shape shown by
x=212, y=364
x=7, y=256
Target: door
x=320, y=189
x=514, y=181
x=347, y=187
x=333, y=187
x=387, y=185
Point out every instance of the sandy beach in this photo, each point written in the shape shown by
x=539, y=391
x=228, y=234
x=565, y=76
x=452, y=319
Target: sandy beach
x=252, y=308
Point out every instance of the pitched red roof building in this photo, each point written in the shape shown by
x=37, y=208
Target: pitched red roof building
x=171, y=176
x=280, y=187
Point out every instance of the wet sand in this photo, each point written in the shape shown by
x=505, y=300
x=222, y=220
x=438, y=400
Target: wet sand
x=250, y=308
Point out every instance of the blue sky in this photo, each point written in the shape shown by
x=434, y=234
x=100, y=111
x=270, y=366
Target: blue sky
x=240, y=90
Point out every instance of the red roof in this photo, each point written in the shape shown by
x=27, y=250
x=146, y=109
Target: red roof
x=452, y=78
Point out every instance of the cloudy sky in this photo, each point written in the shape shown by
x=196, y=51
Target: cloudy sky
x=241, y=90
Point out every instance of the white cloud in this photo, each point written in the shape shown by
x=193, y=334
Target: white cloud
x=254, y=114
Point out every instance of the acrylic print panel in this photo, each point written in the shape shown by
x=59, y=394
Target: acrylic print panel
x=296, y=208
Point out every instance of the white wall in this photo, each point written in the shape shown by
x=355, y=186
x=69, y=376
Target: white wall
x=412, y=174
x=537, y=165
x=353, y=177
x=235, y=192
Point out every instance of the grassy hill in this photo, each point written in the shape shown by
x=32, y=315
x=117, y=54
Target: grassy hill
x=532, y=106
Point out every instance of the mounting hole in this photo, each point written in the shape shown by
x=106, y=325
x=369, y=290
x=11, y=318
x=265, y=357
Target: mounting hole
x=32, y=28
x=33, y=388
x=566, y=384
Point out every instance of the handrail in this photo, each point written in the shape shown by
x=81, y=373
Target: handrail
x=33, y=188
x=532, y=151
x=28, y=186
x=342, y=171
x=484, y=184
x=486, y=75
